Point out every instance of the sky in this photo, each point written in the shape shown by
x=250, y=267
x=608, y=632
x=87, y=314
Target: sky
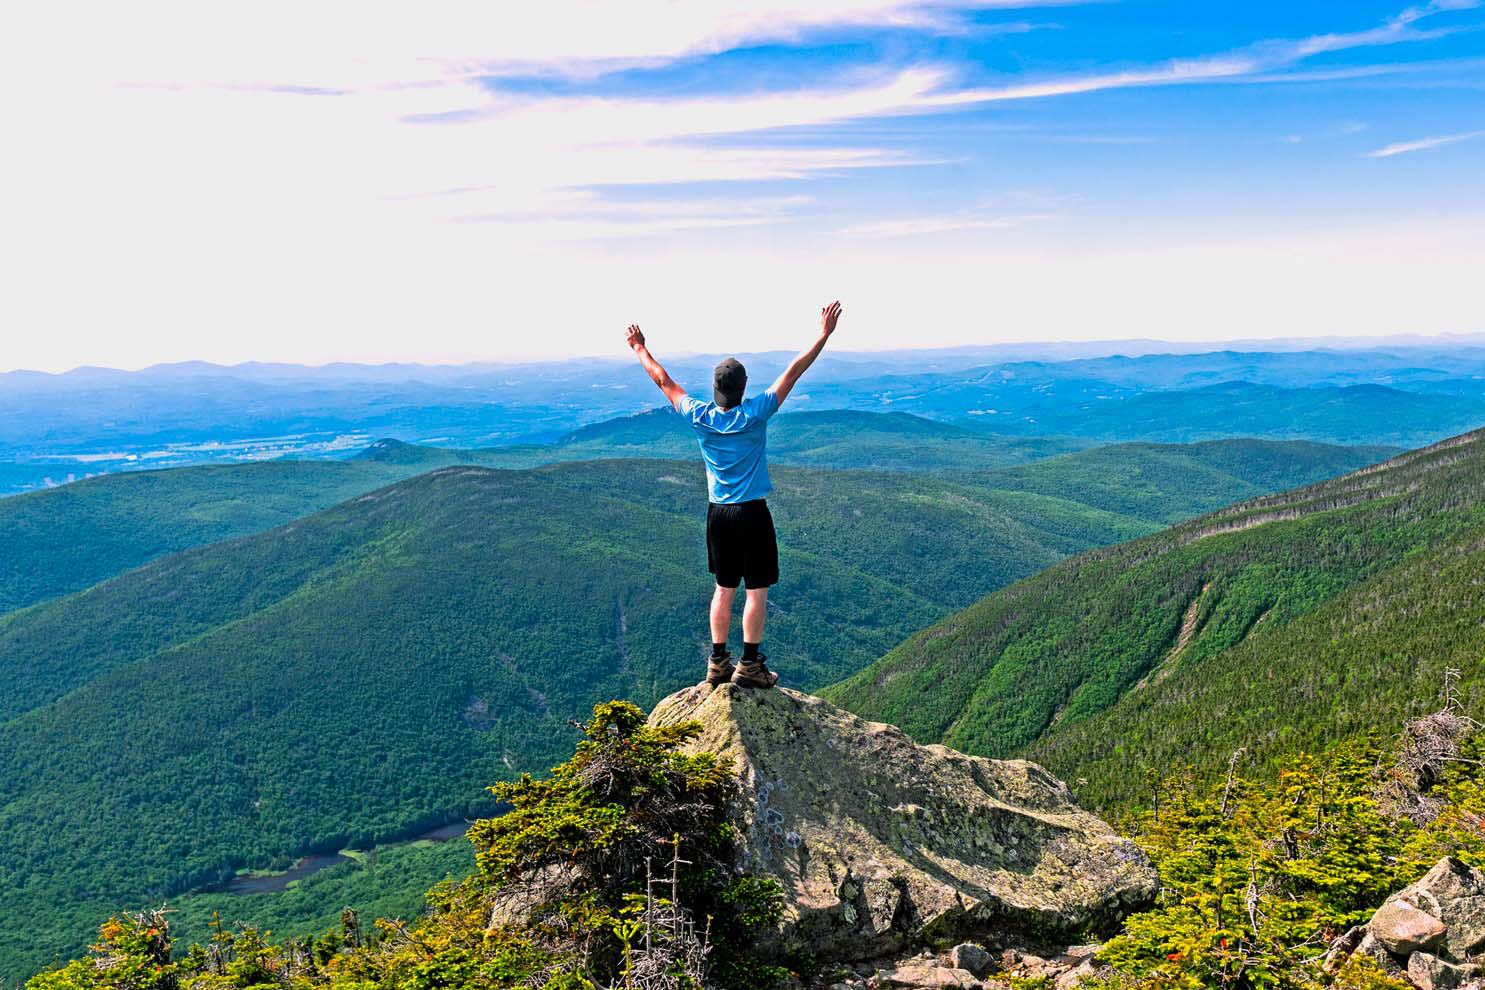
x=446, y=182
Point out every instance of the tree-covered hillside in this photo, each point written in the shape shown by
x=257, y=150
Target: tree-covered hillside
x=839, y=438
x=1283, y=622
x=360, y=674
x=68, y=538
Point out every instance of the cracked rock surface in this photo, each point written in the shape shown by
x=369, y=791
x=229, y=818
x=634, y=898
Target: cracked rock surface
x=881, y=843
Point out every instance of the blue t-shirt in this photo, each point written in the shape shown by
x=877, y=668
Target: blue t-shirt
x=734, y=445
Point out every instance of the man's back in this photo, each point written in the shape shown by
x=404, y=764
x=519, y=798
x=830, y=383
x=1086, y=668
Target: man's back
x=734, y=445
x=741, y=543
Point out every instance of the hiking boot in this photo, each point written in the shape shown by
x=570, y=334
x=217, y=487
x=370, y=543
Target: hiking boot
x=719, y=670
x=755, y=675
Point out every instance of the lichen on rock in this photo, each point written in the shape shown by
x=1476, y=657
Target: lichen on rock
x=881, y=843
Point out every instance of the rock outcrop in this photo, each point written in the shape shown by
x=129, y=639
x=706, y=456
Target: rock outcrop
x=881, y=843
x=1430, y=933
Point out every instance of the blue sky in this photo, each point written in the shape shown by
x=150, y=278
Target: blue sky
x=348, y=182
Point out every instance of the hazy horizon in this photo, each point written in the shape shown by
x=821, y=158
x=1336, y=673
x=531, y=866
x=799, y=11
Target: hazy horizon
x=1075, y=350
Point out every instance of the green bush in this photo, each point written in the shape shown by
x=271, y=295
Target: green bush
x=618, y=869
x=1258, y=876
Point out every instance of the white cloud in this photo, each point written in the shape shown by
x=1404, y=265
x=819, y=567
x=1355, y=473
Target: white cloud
x=918, y=226
x=354, y=44
x=1423, y=144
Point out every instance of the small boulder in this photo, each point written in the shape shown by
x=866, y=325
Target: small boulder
x=925, y=972
x=913, y=973
x=967, y=955
x=1404, y=929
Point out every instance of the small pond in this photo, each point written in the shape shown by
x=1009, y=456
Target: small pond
x=273, y=883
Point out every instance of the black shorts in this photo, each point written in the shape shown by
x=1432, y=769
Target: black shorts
x=741, y=544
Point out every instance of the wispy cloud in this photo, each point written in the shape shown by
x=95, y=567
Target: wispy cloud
x=941, y=224
x=1422, y=144
x=1398, y=28
x=584, y=215
x=519, y=154
x=1260, y=62
x=346, y=45
x=1338, y=131
x=1013, y=209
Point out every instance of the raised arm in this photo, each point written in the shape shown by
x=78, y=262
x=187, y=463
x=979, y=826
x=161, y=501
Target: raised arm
x=657, y=374
x=785, y=384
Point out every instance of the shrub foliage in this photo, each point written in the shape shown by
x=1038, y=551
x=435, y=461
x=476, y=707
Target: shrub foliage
x=617, y=870
x=1259, y=876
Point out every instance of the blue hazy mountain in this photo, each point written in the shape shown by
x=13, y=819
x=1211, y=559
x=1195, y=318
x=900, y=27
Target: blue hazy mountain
x=94, y=419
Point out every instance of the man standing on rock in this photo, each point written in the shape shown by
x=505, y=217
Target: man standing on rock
x=741, y=546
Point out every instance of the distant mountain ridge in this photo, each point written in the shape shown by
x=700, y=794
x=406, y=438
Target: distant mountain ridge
x=197, y=412
x=1446, y=349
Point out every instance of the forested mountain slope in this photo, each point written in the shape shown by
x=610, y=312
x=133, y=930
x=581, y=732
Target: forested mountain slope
x=938, y=540
x=1281, y=622
x=837, y=438
x=67, y=538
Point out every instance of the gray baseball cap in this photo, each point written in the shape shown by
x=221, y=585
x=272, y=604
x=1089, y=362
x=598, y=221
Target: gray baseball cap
x=728, y=382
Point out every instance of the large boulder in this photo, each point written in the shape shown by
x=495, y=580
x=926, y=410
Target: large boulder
x=880, y=842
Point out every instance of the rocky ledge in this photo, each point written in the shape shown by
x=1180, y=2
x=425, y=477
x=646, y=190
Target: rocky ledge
x=882, y=844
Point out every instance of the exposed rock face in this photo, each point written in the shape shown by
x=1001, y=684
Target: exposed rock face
x=881, y=843
x=1431, y=931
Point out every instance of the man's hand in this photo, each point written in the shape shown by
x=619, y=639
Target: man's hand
x=785, y=384
x=828, y=316
x=657, y=374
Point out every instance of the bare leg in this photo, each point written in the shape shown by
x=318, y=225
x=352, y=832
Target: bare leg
x=722, y=613
x=755, y=610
